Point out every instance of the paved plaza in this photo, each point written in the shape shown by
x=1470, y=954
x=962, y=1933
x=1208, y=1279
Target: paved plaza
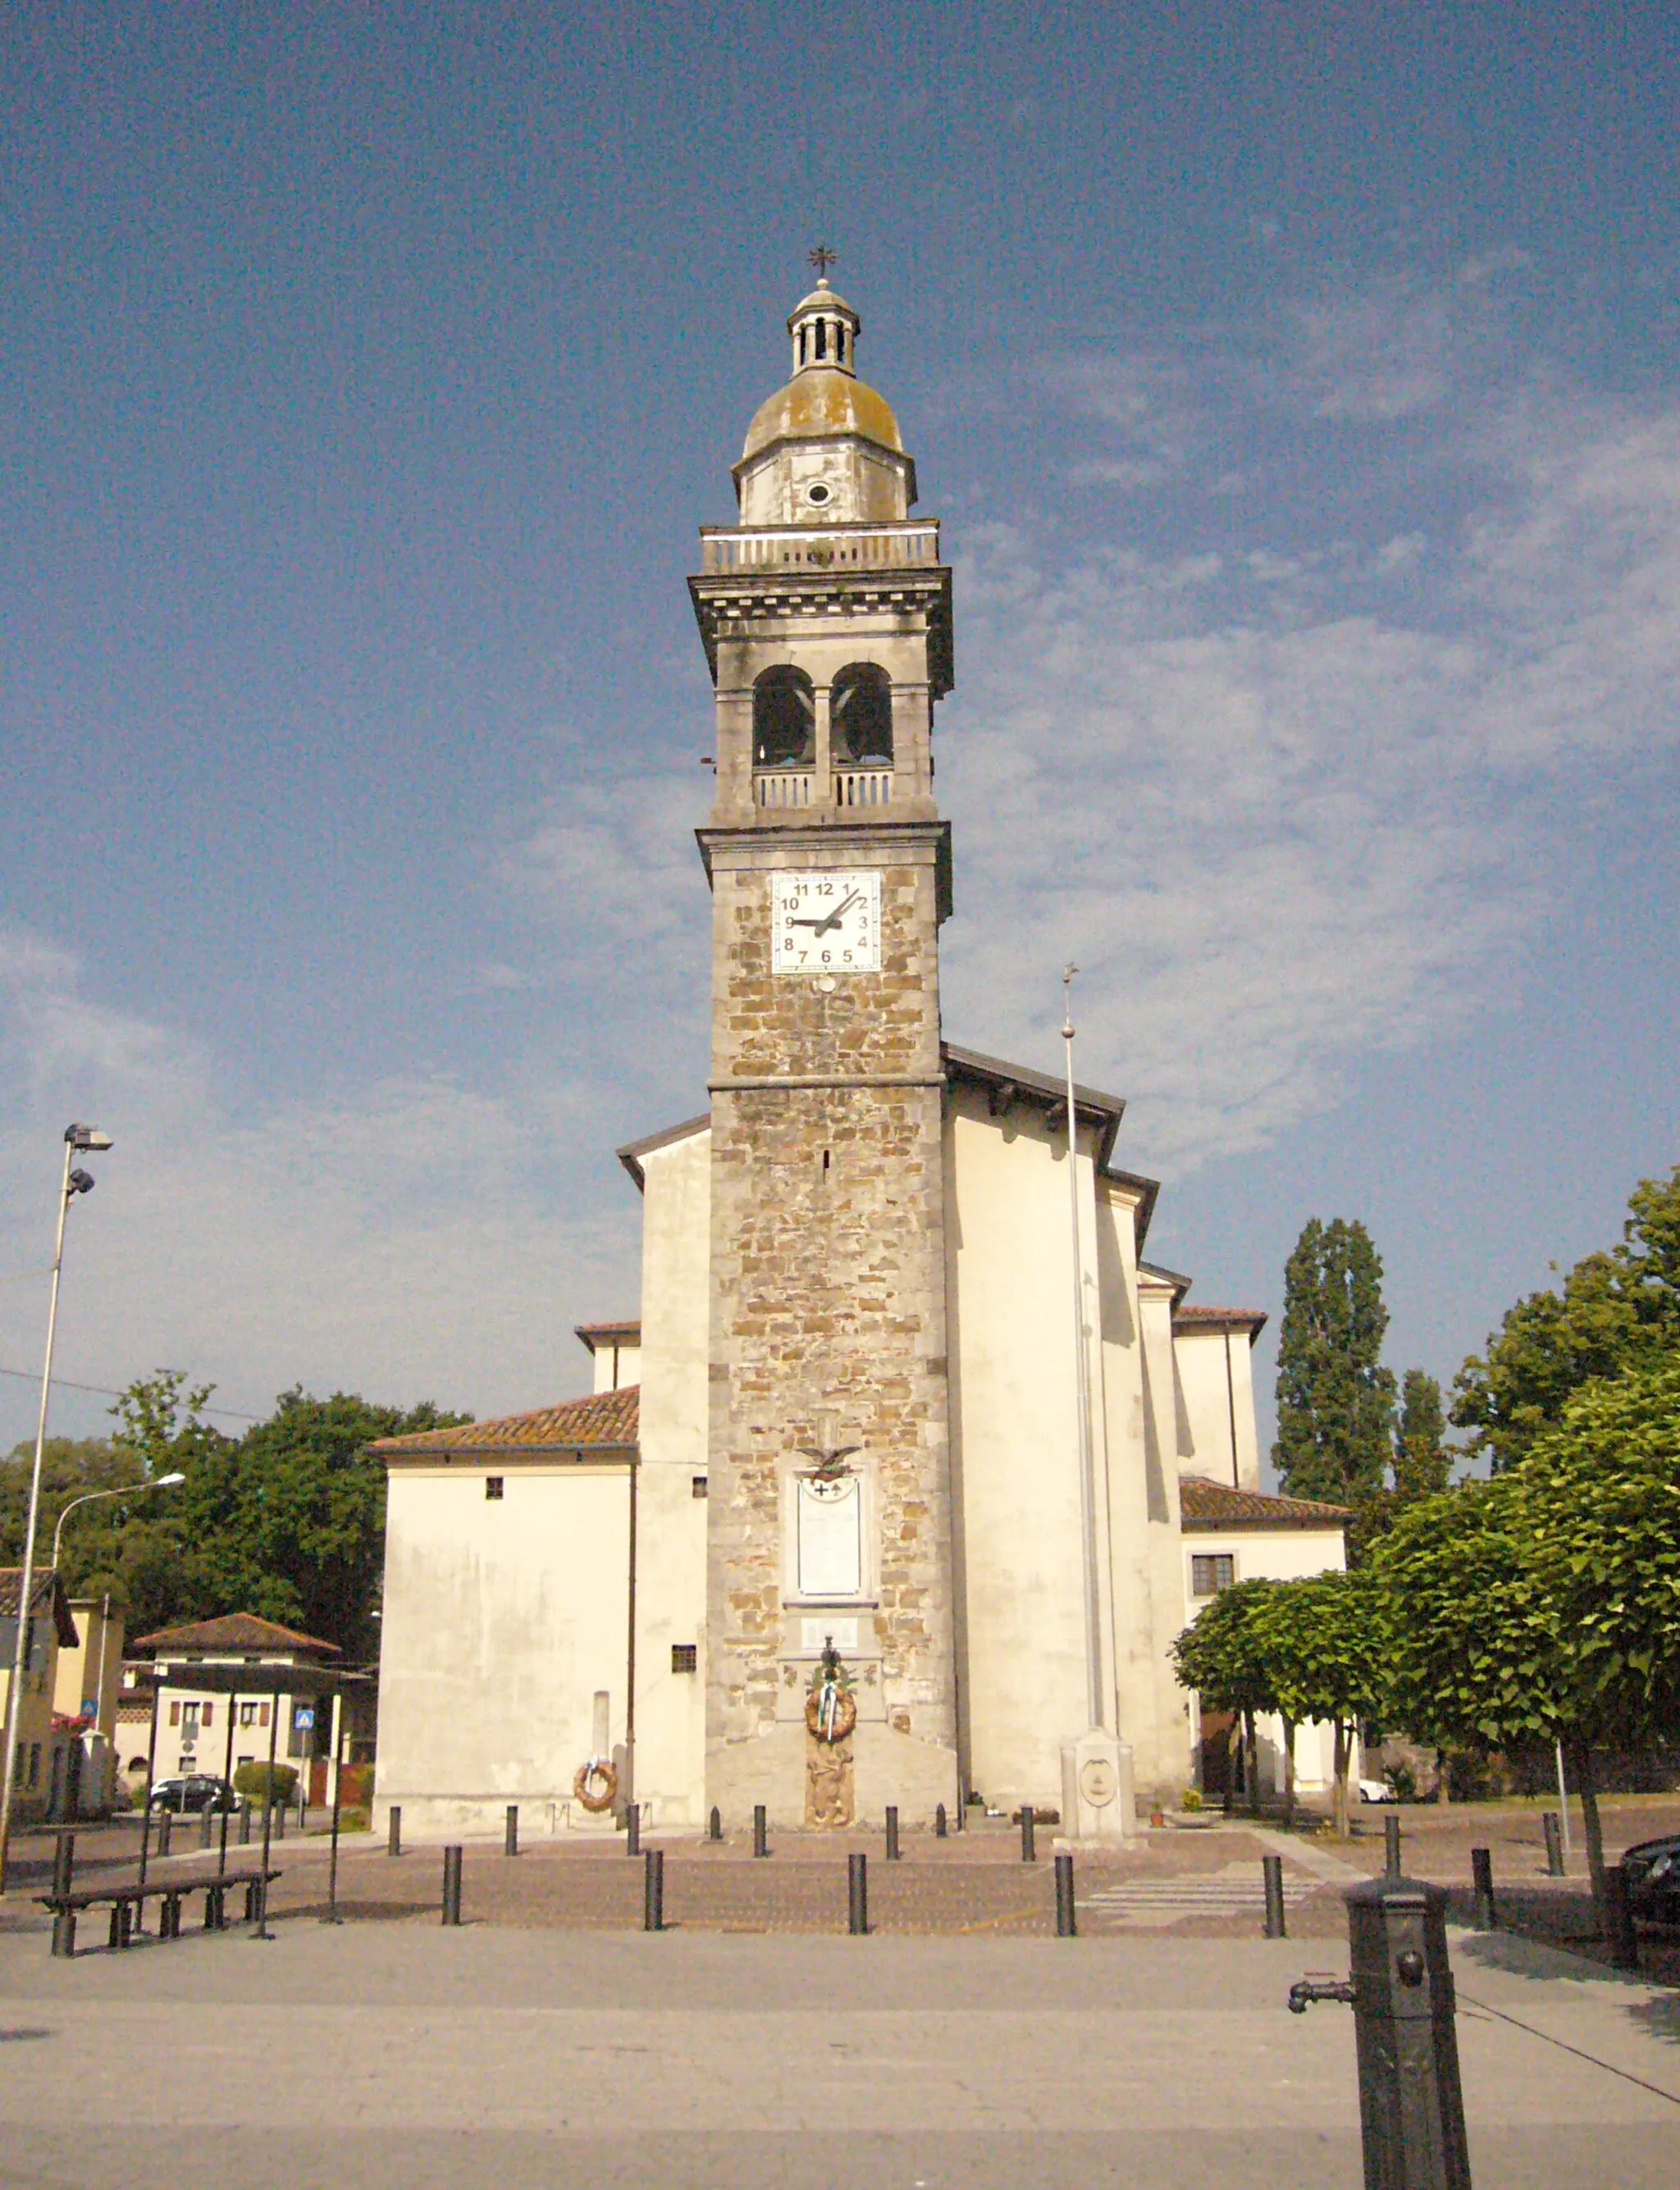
x=756, y=2045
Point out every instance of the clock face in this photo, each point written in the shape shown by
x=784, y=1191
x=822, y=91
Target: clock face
x=825, y=923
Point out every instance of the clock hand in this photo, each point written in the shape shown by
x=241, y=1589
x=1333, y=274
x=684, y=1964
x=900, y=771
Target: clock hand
x=838, y=913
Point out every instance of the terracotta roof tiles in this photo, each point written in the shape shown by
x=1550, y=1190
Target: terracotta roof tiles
x=1204, y=1504
x=603, y=1419
x=234, y=1630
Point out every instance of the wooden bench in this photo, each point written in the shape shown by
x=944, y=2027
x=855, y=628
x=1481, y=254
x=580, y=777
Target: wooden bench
x=127, y=1902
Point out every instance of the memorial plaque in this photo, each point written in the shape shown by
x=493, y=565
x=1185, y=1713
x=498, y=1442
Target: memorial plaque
x=830, y=1537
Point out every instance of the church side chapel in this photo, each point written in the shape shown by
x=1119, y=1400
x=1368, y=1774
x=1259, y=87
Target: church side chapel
x=891, y=1494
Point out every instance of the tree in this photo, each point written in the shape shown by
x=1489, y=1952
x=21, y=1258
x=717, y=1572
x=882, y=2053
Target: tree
x=1597, y=1502
x=1219, y=1657
x=1615, y=1306
x=1319, y=1640
x=1335, y=1401
x=1423, y=1457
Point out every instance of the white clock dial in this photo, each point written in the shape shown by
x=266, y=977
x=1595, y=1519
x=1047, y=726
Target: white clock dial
x=825, y=923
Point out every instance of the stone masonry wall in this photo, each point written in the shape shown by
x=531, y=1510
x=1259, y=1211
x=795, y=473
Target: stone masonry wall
x=828, y=1308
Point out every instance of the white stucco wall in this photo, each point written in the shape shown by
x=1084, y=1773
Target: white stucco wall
x=1216, y=1380
x=1014, y=1442
x=502, y=1619
x=670, y=1758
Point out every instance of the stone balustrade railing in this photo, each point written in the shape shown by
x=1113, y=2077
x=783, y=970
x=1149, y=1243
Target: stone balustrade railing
x=797, y=786
x=810, y=548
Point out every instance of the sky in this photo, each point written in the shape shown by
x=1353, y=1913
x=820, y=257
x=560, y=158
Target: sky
x=1297, y=387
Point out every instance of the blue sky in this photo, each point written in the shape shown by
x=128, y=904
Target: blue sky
x=1298, y=389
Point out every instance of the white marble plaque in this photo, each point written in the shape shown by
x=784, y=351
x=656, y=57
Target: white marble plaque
x=831, y=1537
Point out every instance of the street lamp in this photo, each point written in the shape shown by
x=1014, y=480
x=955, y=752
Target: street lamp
x=123, y=1490
x=78, y=1140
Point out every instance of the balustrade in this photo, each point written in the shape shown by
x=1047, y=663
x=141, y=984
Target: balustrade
x=853, y=787
x=803, y=547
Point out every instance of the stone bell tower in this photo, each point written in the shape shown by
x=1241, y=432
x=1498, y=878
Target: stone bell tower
x=826, y=614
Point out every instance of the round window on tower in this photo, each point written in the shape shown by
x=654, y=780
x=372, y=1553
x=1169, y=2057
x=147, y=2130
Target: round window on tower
x=819, y=492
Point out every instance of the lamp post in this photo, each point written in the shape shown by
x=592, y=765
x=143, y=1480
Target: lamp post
x=78, y=1140
x=123, y=1490
x=1087, y=1488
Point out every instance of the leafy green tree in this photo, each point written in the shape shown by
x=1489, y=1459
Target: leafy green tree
x=1335, y=1401
x=1218, y=1658
x=1319, y=1639
x=1423, y=1457
x=1615, y=1306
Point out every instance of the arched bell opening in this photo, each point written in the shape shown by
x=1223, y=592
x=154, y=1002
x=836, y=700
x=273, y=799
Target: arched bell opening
x=784, y=719
x=860, y=708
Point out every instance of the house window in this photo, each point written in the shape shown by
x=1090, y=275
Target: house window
x=175, y=1713
x=209, y=1713
x=1211, y=1572
x=34, y=1763
x=492, y=1486
x=685, y=1657
x=247, y=1714
x=697, y=1487
x=262, y=1714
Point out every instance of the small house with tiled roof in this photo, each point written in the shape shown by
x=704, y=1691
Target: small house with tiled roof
x=215, y=1729
x=876, y=1501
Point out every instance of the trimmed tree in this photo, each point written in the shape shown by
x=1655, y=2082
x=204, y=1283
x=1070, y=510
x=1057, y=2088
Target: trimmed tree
x=1220, y=1660
x=1319, y=1639
x=1335, y=1401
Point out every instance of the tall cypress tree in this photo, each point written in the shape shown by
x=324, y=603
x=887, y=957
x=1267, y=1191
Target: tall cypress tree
x=1423, y=1457
x=1336, y=1400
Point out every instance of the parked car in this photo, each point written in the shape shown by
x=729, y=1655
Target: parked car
x=1653, y=1873
x=187, y=1797
x=1376, y=1790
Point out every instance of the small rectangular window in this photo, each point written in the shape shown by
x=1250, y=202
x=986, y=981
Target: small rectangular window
x=492, y=1486
x=1211, y=1572
x=685, y=1657
x=175, y=1712
x=697, y=1487
x=209, y=1713
x=262, y=1714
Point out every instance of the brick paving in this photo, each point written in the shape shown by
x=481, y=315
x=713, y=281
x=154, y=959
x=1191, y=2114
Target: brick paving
x=1192, y=1878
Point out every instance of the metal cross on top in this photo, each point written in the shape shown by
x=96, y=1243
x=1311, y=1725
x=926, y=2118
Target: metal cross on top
x=822, y=258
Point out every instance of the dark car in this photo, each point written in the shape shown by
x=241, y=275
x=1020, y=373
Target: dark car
x=1653, y=1873
x=188, y=1796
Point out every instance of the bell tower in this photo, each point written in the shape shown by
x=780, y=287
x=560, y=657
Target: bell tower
x=826, y=614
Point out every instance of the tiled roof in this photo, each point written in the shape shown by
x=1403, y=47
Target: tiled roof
x=234, y=1630
x=43, y=1589
x=1251, y=1319
x=604, y=1418
x=593, y=1335
x=1205, y=1504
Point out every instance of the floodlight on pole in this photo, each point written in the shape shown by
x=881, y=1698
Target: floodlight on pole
x=123, y=1490
x=78, y=1140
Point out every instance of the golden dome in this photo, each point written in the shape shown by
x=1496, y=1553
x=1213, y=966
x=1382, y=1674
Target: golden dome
x=815, y=406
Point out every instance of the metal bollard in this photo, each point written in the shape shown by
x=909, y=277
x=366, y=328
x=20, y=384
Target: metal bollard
x=63, y=1864
x=892, y=1832
x=393, y=1845
x=939, y=1823
x=857, y=1895
x=1391, y=1846
x=715, y=1828
x=164, y=1831
x=1411, y=2102
x=1028, y=1854
x=204, y=1826
x=1067, y=1921
x=761, y=1843
x=279, y=1821
x=1271, y=1874
x=451, y=1885
x=1483, y=1915
x=245, y=1823
x=510, y=1839
x=63, y=1934
x=1554, y=1845
x=653, y=1892
x=632, y=1829
x=1619, y=1927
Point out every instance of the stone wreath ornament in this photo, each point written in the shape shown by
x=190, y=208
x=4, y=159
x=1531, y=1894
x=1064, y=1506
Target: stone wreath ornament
x=596, y=1785
x=831, y=1707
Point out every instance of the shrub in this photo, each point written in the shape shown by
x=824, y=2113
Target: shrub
x=1190, y=1800
x=252, y=1780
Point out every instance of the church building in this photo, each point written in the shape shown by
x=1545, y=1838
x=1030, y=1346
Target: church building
x=904, y=1476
